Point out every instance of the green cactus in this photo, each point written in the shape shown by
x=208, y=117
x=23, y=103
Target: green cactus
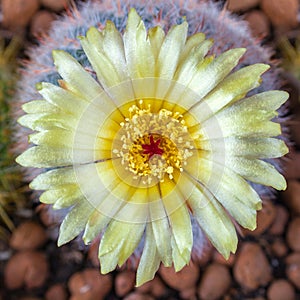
x=11, y=196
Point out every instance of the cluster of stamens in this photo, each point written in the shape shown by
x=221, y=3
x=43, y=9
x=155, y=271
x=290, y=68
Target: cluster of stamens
x=153, y=144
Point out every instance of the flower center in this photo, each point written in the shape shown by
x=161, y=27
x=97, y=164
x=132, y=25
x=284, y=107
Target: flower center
x=153, y=145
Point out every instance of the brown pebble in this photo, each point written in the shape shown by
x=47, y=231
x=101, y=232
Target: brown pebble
x=292, y=196
x=281, y=289
x=18, y=13
x=41, y=23
x=181, y=280
x=265, y=218
x=57, y=292
x=189, y=294
x=28, y=268
x=293, y=234
x=89, y=285
x=205, y=256
x=55, y=5
x=252, y=268
x=219, y=258
x=215, y=282
x=124, y=282
x=293, y=268
x=238, y=5
x=138, y=296
x=292, y=165
x=29, y=235
x=155, y=287
x=93, y=253
x=282, y=13
x=280, y=221
x=258, y=23
x=279, y=248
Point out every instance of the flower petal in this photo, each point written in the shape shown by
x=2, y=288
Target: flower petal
x=149, y=262
x=39, y=107
x=251, y=147
x=231, y=89
x=213, y=221
x=118, y=243
x=210, y=75
x=170, y=50
x=71, y=71
x=74, y=222
x=104, y=66
x=138, y=49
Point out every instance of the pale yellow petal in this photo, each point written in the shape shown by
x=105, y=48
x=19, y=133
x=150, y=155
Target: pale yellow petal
x=251, y=147
x=192, y=43
x=62, y=196
x=231, y=89
x=74, y=222
x=149, y=262
x=212, y=74
x=214, y=221
x=53, y=179
x=62, y=98
x=257, y=171
x=138, y=49
x=171, y=48
x=71, y=71
x=156, y=37
x=118, y=243
x=39, y=107
x=188, y=67
x=46, y=121
x=160, y=226
x=106, y=72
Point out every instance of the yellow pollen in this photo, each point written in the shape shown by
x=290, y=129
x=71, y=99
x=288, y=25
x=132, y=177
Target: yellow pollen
x=153, y=144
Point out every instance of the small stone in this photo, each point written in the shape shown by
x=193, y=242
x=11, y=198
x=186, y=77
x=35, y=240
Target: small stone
x=189, y=294
x=28, y=268
x=57, y=292
x=281, y=289
x=265, y=218
x=89, y=284
x=215, y=282
x=93, y=253
x=41, y=23
x=219, y=258
x=138, y=296
x=238, y=5
x=18, y=13
x=292, y=196
x=293, y=268
x=280, y=221
x=293, y=234
x=124, y=282
x=55, y=5
x=181, y=280
x=155, y=287
x=282, y=13
x=28, y=236
x=292, y=165
x=279, y=248
x=206, y=254
x=258, y=23
x=252, y=269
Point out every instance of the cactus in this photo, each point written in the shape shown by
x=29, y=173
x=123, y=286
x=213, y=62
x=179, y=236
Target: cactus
x=226, y=31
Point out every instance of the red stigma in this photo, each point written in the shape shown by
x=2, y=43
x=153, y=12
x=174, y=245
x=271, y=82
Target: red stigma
x=152, y=148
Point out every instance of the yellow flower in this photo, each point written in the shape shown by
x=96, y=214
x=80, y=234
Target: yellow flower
x=163, y=133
